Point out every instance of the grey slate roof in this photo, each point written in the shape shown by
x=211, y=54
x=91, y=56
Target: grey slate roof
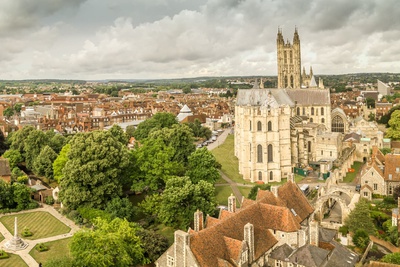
x=263, y=97
x=310, y=256
x=326, y=235
x=309, y=96
x=341, y=256
x=282, y=252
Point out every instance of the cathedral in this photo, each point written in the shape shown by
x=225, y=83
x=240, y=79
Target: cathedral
x=277, y=129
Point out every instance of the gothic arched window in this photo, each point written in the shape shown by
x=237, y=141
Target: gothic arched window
x=309, y=146
x=259, y=126
x=322, y=111
x=322, y=120
x=291, y=81
x=312, y=110
x=269, y=126
x=259, y=153
x=260, y=176
x=337, y=124
x=250, y=125
x=298, y=111
x=271, y=176
x=270, y=154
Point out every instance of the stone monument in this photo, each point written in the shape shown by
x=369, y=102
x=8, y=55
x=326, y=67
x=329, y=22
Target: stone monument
x=16, y=243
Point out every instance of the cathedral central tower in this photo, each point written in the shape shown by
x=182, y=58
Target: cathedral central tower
x=289, y=61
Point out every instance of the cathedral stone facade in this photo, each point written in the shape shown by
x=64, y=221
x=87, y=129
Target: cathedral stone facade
x=276, y=129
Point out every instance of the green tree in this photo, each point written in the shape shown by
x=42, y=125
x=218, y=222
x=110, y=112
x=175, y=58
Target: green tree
x=43, y=164
x=180, y=200
x=370, y=102
x=6, y=193
x=17, y=139
x=359, y=218
x=361, y=239
x=112, y=243
x=60, y=262
x=157, y=122
x=59, y=162
x=57, y=142
x=3, y=143
x=120, y=208
x=93, y=172
x=202, y=167
x=130, y=129
x=371, y=117
x=119, y=134
x=154, y=165
x=253, y=191
x=154, y=244
x=8, y=112
x=392, y=258
x=21, y=195
x=34, y=142
x=14, y=157
x=394, y=123
x=198, y=130
x=186, y=90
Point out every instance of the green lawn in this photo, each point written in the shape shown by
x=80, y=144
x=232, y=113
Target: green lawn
x=57, y=249
x=1, y=237
x=41, y=224
x=13, y=261
x=225, y=155
x=222, y=193
x=244, y=190
x=351, y=175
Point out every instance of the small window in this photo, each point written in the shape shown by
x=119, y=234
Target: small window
x=322, y=111
x=260, y=176
x=312, y=111
x=322, y=152
x=322, y=120
x=170, y=261
x=250, y=125
x=330, y=153
x=365, y=194
x=375, y=186
x=269, y=126
x=259, y=126
x=271, y=176
x=390, y=176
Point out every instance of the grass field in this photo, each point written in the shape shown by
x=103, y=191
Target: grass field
x=13, y=261
x=57, y=249
x=226, y=157
x=40, y=223
x=244, y=190
x=1, y=237
x=222, y=193
x=351, y=175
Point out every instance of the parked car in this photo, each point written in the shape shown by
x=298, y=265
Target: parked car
x=358, y=188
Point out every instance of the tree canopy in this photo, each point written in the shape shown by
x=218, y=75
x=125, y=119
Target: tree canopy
x=394, y=123
x=43, y=164
x=59, y=162
x=157, y=122
x=359, y=218
x=180, y=200
x=202, y=166
x=113, y=243
x=92, y=174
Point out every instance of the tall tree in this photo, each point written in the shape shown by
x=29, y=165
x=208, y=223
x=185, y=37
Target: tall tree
x=43, y=164
x=17, y=139
x=157, y=122
x=359, y=218
x=112, y=243
x=3, y=144
x=92, y=174
x=34, y=142
x=180, y=200
x=14, y=157
x=394, y=123
x=119, y=134
x=130, y=129
x=59, y=162
x=202, y=166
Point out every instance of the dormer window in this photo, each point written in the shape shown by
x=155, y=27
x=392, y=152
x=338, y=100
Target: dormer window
x=170, y=261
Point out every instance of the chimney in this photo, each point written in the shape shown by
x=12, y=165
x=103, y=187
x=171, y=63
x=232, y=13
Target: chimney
x=290, y=177
x=249, y=238
x=181, y=246
x=198, y=221
x=232, y=203
x=314, y=233
x=274, y=190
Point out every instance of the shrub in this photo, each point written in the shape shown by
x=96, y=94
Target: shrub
x=26, y=232
x=22, y=179
x=75, y=216
x=41, y=247
x=344, y=230
x=3, y=255
x=361, y=239
x=49, y=200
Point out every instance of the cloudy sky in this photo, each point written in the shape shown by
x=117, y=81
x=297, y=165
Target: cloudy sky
x=140, y=39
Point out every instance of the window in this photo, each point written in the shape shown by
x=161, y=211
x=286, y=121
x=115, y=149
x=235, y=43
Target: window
x=322, y=111
x=365, y=194
x=304, y=111
x=309, y=146
x=298, y=111
x=390, y=190
x=322, y=152
x=375, y=186
x=250, y=125
x=170, y=261
x=259, y=153
x=249, y=151
x=271, y=176
x=270, y=154
x=322, y=120
x=269, y=126
x=259, y=126
x=312, y=111
x=330, y=153
x=244, y=256
x=311, y=120
x=390, y=176
x=260, y=176
x=337, y=124
x=397, y=169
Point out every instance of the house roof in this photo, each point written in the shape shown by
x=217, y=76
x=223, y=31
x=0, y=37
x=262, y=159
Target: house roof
x=282, y=252
x=263, y=97
x=4, y=167
x=309, y=255
x=341, y=256
x=392, y=167
x=309, y=96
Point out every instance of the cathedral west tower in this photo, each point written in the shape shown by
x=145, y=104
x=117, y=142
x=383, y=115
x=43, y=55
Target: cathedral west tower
x=289, y=61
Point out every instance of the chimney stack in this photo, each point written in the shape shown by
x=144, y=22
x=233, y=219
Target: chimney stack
x=249, y=238
x=232, y=203
x=198, y=221
x=274, y=190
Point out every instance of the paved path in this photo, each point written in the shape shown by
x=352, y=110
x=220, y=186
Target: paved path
x=24, y=254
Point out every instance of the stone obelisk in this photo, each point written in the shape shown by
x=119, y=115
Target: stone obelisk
x=16, y=243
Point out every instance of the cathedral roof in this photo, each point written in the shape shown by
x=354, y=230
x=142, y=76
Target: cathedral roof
x=309, y=96
x=263, y=97
x=313, y=83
